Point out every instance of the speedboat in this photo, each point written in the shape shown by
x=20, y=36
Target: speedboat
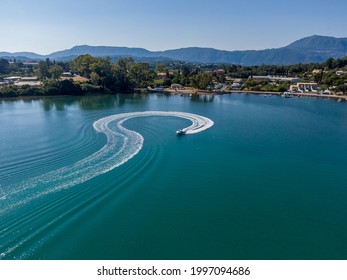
x=180, y=132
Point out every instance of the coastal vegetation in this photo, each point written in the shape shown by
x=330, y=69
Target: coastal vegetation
x=102, y=75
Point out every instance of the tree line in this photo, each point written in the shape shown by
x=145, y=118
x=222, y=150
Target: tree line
x=103, y=76
x=125, y=75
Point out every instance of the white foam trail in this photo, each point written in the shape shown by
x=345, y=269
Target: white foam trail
x=122, y=144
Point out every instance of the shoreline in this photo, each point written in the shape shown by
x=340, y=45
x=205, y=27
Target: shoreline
x=203, y=92
x=188, y=92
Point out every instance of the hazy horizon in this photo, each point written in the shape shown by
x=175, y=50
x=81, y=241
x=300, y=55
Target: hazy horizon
x=80, y=45
x=44, y=27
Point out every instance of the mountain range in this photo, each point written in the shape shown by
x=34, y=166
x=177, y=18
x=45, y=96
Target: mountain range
x=306, y=50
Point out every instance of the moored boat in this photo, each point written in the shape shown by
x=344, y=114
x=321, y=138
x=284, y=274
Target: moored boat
x=287, y=94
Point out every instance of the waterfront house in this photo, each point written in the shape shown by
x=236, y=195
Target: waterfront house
x=28, y=81
x=304, y=87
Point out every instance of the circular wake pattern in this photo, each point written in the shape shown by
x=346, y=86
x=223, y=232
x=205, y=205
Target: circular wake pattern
x=122, y=144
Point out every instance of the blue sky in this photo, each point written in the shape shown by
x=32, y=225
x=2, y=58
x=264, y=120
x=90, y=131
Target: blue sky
x=47, y=26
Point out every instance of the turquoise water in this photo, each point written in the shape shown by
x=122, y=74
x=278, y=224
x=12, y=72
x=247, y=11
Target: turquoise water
x=266, y=181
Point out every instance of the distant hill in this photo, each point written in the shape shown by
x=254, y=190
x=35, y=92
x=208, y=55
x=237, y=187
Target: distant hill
x=22, y=56
x=271, y=56
x=319, y=44
x=101, y=51
x=307, y=50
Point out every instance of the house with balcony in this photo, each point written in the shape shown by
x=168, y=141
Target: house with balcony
x=304, y=88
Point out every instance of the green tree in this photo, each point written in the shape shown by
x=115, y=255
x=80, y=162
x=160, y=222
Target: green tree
x=205, y=80
x=95, y=79
x=194, y=81
x=42, y=70
x=342, y=88
x=250, y=83
x=81, y=64
x=120, y=81
x=185, y=71
x=124, y=63
x=167, y=82
x=57, y=87
x=330, y=63
x=160, y=68
x=101, y=66
x=140, y=74
x=55, y=71
x=4, y=66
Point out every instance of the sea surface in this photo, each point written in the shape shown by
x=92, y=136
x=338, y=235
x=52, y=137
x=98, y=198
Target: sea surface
x=268, y=180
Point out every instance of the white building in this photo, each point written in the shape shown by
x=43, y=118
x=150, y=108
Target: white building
x=28, y=81
x=236, y=85
x=11, y=80
x=304, y=87
x=275, y=78
x=67, y=75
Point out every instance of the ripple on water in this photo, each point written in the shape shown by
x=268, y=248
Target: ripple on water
x=122, y=144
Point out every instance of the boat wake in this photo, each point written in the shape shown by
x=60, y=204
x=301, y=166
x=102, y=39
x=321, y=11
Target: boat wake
x=122, y=144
